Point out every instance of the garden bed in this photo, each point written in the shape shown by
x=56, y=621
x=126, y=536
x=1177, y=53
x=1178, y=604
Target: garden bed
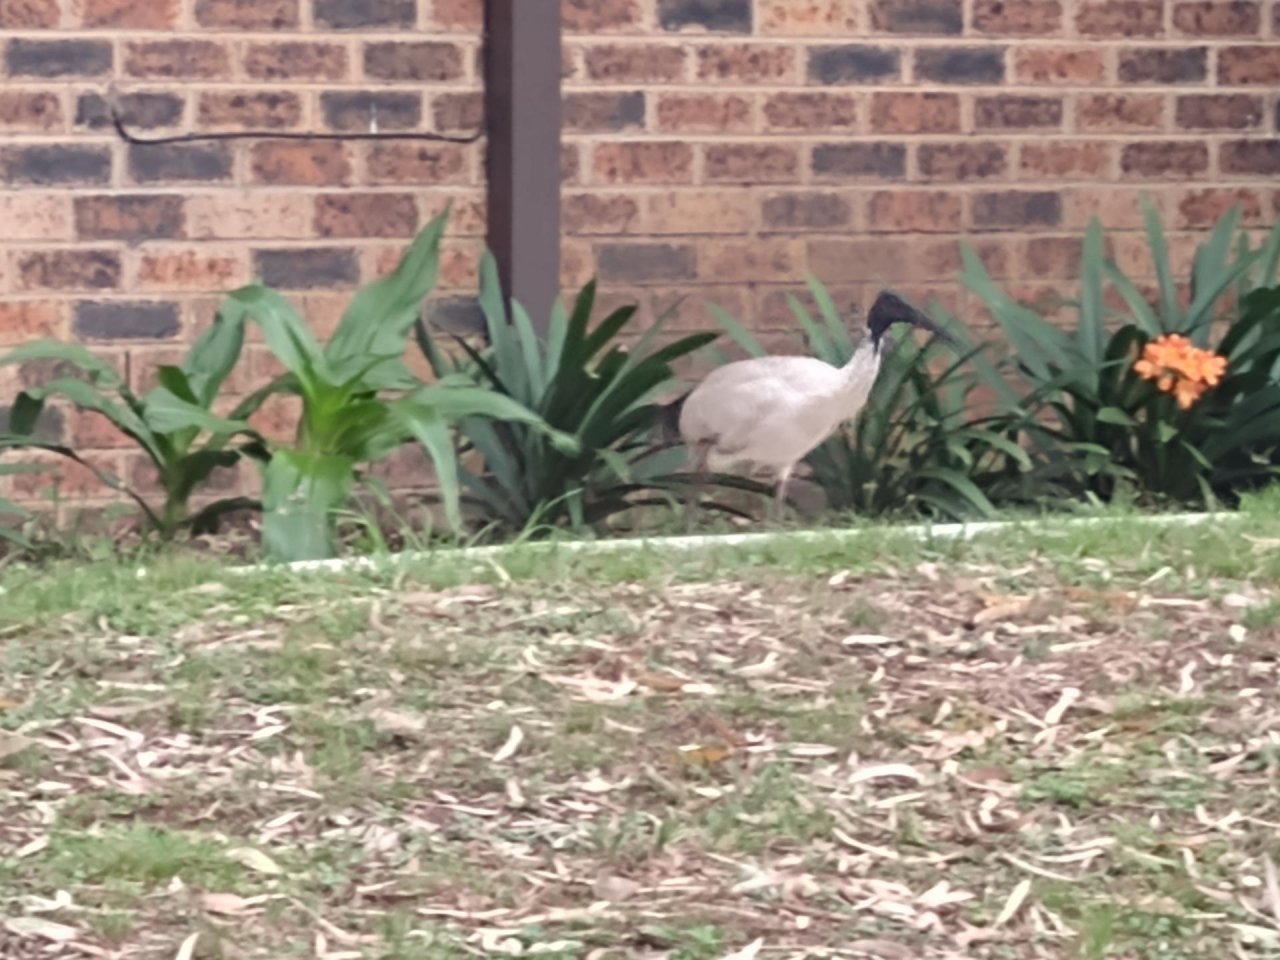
x=1057, y=741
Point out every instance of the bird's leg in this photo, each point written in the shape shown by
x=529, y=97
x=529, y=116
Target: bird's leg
x=780, y=497
x=698, y=467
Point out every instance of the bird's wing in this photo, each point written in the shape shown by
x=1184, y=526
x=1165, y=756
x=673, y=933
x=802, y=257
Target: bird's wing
x=730, y=405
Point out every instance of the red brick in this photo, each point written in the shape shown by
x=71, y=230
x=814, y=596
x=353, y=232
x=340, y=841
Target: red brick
x=296, y=61
x=128, y=14
x=247, y=14
x=249, y=110
x=30, y=112
x=881, y=260
x=602, y=112
x=164, y=59
x=1200, y=209
x=92, y=431
x=298, y=163
x=1018, y=18
x=35, y=216
x=1055, y=258
x=751, y=163
x=1250, y=65
x=395, y=163
x=1059, y=65
x=132, y=218
x=1218, y=18
x=634, y=63
x=197, y=270
x=254, y=214
x=807, y=211
x=1068, y=160
x=598, y=16
x=596, y=213
x=25, y=320
x=1121, y=18
x=465, y=15
x=1018, y=112
x=30, y=14
x=916, y=211
x=78, y=269
x=1120, y=111
x=756, y=260
x=70, y=478
x=704, y=210
x=1223, y=111
x=915, y=113
x=1120, y=208
x=818, y=111
x=654, y=161
x=1178, y=158
x=963, y=161
x=807, y=18
x=366, y=215
x=458, y=112
x=704, y=113
x=570, y=163
x=747, y=63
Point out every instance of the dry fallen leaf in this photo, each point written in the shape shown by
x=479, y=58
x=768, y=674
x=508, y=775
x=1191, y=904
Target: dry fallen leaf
x=614, y=889
x=255, y=860
x=1013, y=904
x=12, y=744
x=188, y=948
x=226, y=903
x=748, y=952
x=665, y=682
x=397, y=723
x=883, y=949
x=508, y=749
x=38, y=928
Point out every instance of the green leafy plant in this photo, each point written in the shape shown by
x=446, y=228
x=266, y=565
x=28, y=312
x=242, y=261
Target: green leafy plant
x=582, y=381
x=1094, y=426
x=918, y=444
x=173, y=423
x=360, y=402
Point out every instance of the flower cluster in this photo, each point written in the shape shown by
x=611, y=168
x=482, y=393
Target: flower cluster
x=1180, y=368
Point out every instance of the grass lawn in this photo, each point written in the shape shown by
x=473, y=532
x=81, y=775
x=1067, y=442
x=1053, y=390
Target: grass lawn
x=1046, y=744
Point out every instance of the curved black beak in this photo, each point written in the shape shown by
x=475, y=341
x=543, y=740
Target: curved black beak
x=890, y=309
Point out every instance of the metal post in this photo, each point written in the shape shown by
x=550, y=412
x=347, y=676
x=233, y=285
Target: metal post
x=522, y=110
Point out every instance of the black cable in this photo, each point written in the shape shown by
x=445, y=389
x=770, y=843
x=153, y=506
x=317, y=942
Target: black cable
x=118, y=122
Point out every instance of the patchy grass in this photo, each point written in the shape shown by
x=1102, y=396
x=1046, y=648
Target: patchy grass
x=1057, y=744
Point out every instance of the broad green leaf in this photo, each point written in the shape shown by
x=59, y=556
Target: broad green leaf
x=288, y=336
x=378, y=321
x=1115, y=415
x=300, y=493
x=1171, y=314
x=102, y=372
x=166, y=412
x=214, y=354
x=433, y=433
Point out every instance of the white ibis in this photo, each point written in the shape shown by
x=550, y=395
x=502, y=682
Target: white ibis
x=770, y=412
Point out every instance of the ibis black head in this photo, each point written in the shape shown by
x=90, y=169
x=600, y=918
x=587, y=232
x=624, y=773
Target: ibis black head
x=889, y=309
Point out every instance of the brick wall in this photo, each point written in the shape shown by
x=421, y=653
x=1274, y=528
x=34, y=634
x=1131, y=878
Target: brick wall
x=713, y=148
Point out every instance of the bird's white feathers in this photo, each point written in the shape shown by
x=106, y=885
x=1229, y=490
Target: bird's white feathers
x=771, y=411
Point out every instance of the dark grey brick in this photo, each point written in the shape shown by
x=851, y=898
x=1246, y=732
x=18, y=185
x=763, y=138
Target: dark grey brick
x=645, y=262
x=853, y=63
x=960, y=64
x=355, y=110
x=180, y=162
x=58, y=58
x=137, y=110
x=1189, y=65
x=357, y=14
x=126, y=320
x=55, y=165
x=840, y=160
x=718, y=16
x=307, y=269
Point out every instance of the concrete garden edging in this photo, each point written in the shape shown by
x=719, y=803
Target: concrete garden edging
x=941, y=531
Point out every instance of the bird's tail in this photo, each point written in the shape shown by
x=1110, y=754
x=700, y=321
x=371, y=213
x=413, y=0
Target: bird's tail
x=669, y=420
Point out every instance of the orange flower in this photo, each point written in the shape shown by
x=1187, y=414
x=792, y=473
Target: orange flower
x=1180, y=368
